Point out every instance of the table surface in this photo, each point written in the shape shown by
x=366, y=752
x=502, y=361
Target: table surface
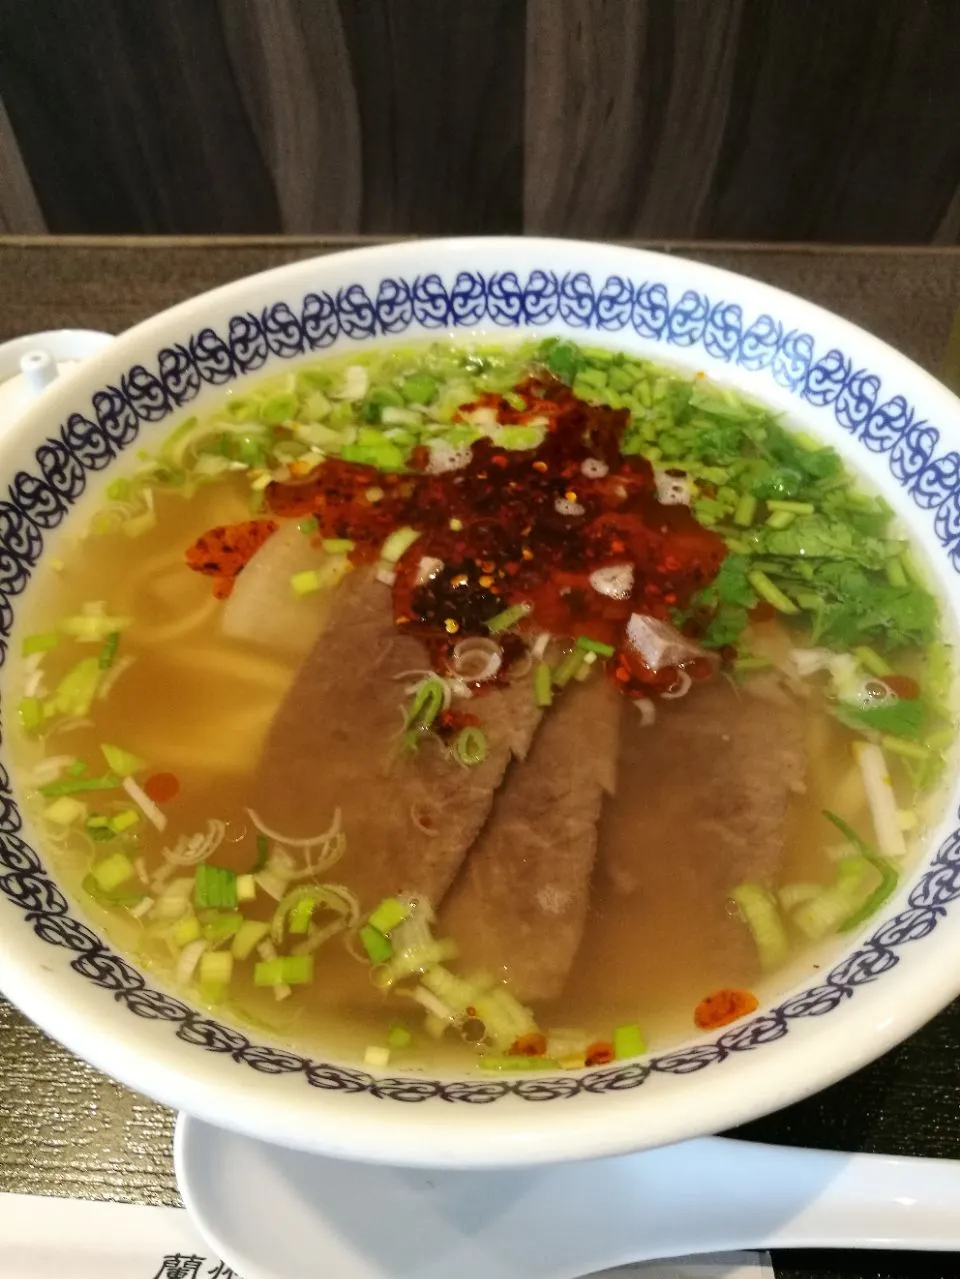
x=65, y=1129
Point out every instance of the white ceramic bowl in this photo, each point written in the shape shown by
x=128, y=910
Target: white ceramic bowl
x=893, y=421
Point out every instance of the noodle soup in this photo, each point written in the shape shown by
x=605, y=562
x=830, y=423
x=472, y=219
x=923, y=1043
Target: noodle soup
x=520, y=707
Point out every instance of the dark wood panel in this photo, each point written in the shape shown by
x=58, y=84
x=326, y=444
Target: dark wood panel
x=842, y=122
x=292, y=68
x=441, y=89
x=743, y=119
x=128, y=117
x=626, y=109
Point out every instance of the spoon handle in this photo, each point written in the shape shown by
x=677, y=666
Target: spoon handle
x=715, y=1195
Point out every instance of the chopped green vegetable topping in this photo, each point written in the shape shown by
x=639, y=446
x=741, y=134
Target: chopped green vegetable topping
x=306, y=583
x=889, y=877
x=902, y=718
x=39, y=643
x=542, y=685
x=378, y=947
x=470, y=746
x=123, y=763
x=427, y=704
x=587, y=645
x=215, y=886
x=509, y=617
x=77, y=785
x=388, y=915
x=628, y=1041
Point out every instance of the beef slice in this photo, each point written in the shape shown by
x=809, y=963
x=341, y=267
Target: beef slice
x=520, y=902
x=702, y=804
x=334, y=744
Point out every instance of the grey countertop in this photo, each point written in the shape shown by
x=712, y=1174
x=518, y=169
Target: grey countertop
x=65, y=1129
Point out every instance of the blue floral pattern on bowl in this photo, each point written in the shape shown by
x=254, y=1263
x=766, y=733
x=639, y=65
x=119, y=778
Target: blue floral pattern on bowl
x=39, y=499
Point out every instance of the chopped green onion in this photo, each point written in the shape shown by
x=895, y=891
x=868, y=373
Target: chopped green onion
x=124, y=820
x=113, y=871
x=215, y=886
x=290, y=970
x=542, y=685
x=112, y=897
x=76, y=785
x=65, y=811
x=77, y=768
x=834, y=905
x=246, y=888
x=908, y=750
x=628, y=1041
x=251, y=933
x=308, y=525
x=30, y=713
x=216, y=968
x=398, y=1036
x=745, y=511
x=794, y=508
x=379, y=948
x=889, y=878
x=120, y=761
x=770, y=592
x=186, y=931
x=109, y=651
x=427, y=704
x=39, y=643
x=305, y=583
x=895, y=573
x=470, y=746
x=809, y=601
x=509, y=617
x=759, y=913
x=388, y=915
x=567, y=667
x=221, y=928
x=790, y=896
x=871, y=661
x=298, y=921
x=743, y=665
x=780, y=519
x=419, y=388
x=338, y=545
x=588, y=645
x=77, y=689
x=397, y=544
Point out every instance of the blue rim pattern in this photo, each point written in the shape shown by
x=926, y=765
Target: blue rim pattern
x=39, y=499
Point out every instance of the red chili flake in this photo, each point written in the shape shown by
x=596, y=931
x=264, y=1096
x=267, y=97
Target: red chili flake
x=532, y=1045
x=497, y=529
x=224, y=551
x=723, y=1007
x=904, y=686
x=161, y=788
x=599, y=1054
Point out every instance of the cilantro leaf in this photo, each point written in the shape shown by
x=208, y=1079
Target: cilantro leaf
x=903, y=718
x=564, y=360
x=819, y=537
x=895, y=616
x=731, y=596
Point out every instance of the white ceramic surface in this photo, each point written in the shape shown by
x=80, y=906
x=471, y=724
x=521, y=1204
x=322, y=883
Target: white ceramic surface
x=273, y=1213
x=29, y=364
x=893, y=421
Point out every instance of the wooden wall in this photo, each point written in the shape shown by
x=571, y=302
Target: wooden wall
x=829, y=120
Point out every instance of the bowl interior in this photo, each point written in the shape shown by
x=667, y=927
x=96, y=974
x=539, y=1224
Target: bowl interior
x=893, y=422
